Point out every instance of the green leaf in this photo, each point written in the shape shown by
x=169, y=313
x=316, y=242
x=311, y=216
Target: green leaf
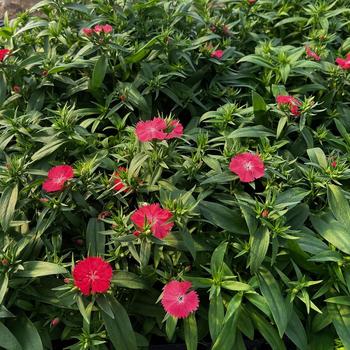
x=259, y=245
x=170, y=327
x=332, y=231
x=83, y=310
x=227, y=336
x=95, y=240
x=339, y=205
x=126, y=279
x=251, y=131
x=188, y=241
x=272, y=293
x=317, y=156
x=98, y=73
x=267, y=331
x=228, y=219
x=296, y=332
x=259, y=104
x=217, y=260
x=341, y=320
x=7, y=340
x=215, y=315
x=341, y=300
x=40, y=268
x=119, y=328
x=26, y=333
x=235, y=286
x=4, y=281
x=8, y=202
x=191, y=333
x=233, y=307
x=47, y=149
x=257, y=60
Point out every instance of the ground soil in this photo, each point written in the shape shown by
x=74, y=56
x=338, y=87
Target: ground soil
x=15, y=6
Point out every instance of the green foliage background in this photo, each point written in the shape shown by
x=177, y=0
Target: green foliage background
x=282, y=277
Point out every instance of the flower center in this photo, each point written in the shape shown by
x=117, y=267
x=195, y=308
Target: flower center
x=180, y=299
x=92, y=276
x=59, y=180
x=248, y=166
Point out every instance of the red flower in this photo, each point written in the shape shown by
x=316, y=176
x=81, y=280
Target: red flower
x=334, y=164
x=178, y=301
x=217, y=54
x=88, y=31
x=247, y=166
x=16, y=89
x=4, y=53
x=119, y=185
x=107, y=28
x=157, y=129
x=344, y=63
x=291, y=102
x=252, y=2
x=92, y=275
x=312, y=54
x=155, y=218
x=177, y=130
x=103, y=28
x=55, y=322
x=56, y=178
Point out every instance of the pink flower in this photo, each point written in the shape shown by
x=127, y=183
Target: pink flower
x=92, y=275
x=312, y=54
x=252, y=2
x=334, y=164
x=88, y=31
x=178, y=301
x=344, y=63
x=155, y=218
x=119, y=185
x=16, y=89
x=247, y=166
x=56, y=178
x=217, y=54
x=55, y=322
x=290, y=101
x=177, y=130
x=106, y=28
x=158, y=129
x=4, y=53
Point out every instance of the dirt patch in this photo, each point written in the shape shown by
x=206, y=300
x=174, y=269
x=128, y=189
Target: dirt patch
x=15, y=6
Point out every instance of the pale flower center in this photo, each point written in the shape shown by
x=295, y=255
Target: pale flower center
x=59, y=180
x=248, y=166
x=93, y=276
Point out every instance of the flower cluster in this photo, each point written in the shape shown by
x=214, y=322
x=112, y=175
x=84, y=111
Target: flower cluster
x=106, y=28
x=158, y=129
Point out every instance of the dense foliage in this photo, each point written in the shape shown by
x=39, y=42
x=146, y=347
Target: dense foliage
x=243, y=215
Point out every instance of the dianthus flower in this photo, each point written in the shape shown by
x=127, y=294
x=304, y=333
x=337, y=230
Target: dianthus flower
x=88, y=31
x=56, y=178
x=92, y=275
x=158, y=129
x=103, y=28
x=152, y=217
x=178, y=301
x=4, y=53
x=291, y=102
x=217, y=54
x=344, y=63
x=312, y=54
x=247, y=166
x=119, y=185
